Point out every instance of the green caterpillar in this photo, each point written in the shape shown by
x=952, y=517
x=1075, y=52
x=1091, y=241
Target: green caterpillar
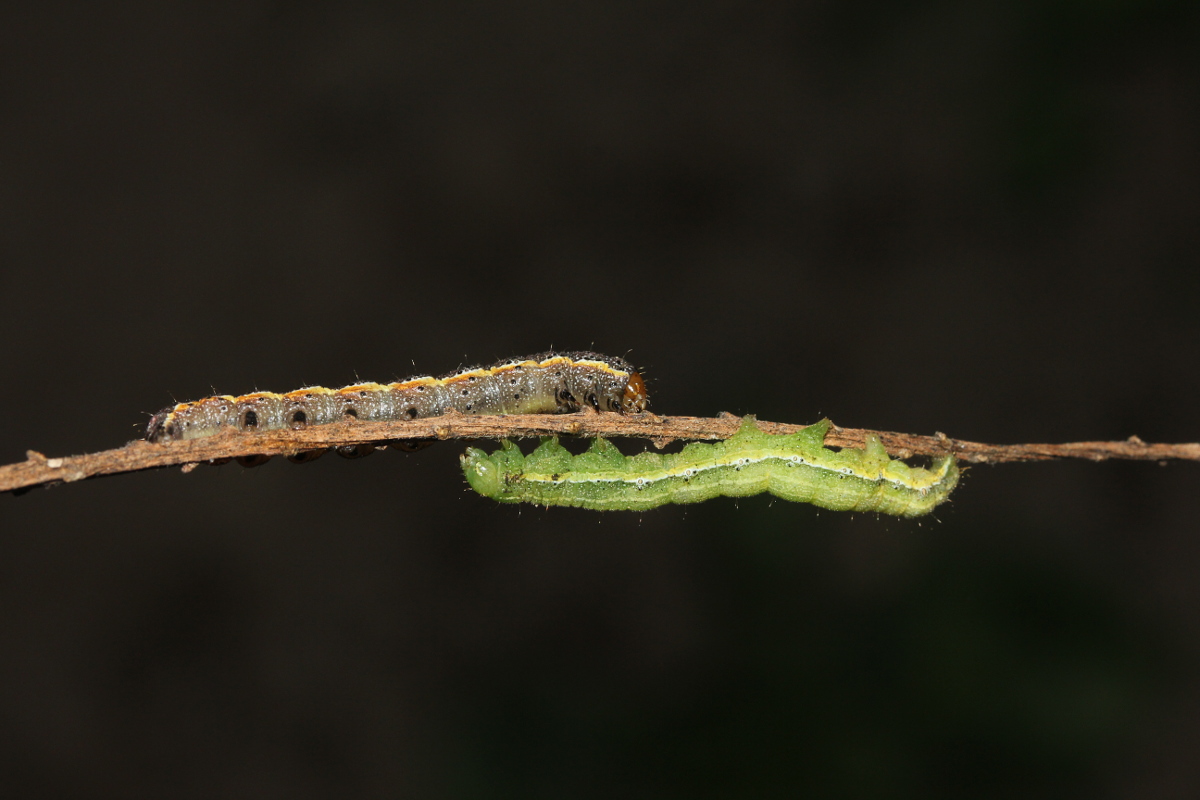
x=796, y=467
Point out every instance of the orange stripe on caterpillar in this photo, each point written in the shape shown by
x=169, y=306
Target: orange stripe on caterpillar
x=545, y=383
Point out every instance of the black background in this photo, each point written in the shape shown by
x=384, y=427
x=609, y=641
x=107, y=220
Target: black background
x=975, y=218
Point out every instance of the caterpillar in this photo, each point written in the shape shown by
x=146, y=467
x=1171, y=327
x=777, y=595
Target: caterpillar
x=795, y=467
x=551, y=383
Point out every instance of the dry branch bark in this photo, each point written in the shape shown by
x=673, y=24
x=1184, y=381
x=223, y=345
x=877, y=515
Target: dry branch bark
x=38, y=469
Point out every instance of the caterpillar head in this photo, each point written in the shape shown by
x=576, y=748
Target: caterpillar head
x=484, y=474
x=635, y=399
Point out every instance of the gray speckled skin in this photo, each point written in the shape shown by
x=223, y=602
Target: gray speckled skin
x=544, y=383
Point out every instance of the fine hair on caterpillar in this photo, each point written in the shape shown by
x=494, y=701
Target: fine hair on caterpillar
x=549, y=383
x=796, y=467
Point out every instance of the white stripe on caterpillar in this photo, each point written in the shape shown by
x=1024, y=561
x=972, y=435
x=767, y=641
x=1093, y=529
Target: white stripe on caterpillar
x=795, y=467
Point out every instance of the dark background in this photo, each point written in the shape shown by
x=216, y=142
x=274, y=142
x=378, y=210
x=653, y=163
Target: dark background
x=976, y=218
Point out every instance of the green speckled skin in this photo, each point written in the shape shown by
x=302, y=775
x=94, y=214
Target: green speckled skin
x=795, y=467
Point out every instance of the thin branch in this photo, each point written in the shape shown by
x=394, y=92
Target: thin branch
x=37, y=469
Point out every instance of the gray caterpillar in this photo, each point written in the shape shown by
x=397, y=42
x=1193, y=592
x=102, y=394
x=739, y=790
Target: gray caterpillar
x=547, y=383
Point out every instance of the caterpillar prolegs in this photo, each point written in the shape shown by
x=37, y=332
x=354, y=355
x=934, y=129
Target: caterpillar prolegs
x=545, y=383
x=795, y=467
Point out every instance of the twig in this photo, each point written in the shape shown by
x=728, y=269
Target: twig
x=37, y=469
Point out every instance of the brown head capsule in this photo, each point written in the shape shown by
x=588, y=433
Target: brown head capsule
x=635, y=399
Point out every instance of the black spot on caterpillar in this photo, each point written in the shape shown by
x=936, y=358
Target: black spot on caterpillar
x=547, y=383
